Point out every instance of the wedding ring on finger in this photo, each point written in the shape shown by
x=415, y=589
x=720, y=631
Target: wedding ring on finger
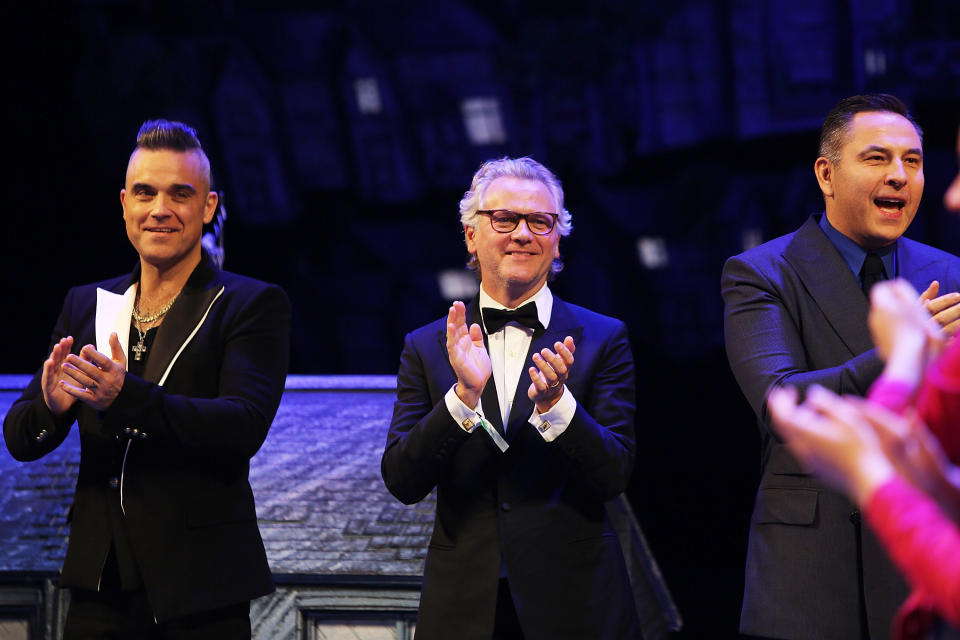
x=555, y=384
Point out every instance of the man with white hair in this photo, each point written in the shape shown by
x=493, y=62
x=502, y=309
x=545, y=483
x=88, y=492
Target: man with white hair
x=522, y=462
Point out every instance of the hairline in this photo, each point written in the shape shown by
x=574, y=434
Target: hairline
x=204, y=161
x=847, y=127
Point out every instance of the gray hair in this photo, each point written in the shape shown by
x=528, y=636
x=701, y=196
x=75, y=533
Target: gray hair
x=526, y=168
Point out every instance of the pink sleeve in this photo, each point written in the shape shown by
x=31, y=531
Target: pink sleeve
x=938, y=400
x=893, y=394
x=922, y=542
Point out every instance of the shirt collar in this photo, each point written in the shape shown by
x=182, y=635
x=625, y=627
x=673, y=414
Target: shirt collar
x=543, y=299
x=854, y=255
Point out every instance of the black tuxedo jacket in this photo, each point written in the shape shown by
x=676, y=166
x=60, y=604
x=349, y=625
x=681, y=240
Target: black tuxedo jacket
x=795, y=315
x=211, y=387
x=539, y=507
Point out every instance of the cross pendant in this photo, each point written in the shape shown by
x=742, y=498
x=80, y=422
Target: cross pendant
x=138, y=349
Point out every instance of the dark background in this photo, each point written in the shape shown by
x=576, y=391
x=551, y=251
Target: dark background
x=344, y=134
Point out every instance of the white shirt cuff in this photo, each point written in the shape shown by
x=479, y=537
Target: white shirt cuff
x=467, y=418
x=554, y=422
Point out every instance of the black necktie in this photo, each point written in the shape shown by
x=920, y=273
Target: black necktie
x=495, y=319
x=871, y=273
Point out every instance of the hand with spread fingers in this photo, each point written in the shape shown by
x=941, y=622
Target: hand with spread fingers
x=468, y=355
x=96, y=379
x=56, y=398
x=550, y=373
x=830, y=436
x=915, y=453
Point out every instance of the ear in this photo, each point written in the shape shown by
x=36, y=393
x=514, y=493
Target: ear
x=824, y=170
x=210, y=206
x=123, y=195
x=469, y=234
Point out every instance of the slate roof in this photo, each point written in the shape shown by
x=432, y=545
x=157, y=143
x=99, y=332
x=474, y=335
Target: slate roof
x=34, y=499
x=321, y=504
x=323, y=510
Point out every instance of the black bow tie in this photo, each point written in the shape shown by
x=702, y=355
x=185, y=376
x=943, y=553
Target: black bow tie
x=495, y=319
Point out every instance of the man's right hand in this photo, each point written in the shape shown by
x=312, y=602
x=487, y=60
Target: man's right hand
x=58, y=400
x=468, y=355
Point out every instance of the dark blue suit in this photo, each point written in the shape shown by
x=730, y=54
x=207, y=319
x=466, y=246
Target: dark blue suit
x=795, y=314
x=539, y=506
x=211, y=387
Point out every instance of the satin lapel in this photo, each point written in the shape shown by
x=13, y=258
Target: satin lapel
x=562, y=324
x=489, y=400
x=831, y=285
x=186, y=314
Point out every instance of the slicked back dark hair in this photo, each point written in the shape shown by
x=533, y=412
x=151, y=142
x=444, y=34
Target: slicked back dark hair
x=157, y=135
x=836, y=125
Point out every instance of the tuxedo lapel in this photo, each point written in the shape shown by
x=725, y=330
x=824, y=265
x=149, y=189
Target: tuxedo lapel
x=182, y=321
x=489, y=400
x=831, y=284
x=562, y=324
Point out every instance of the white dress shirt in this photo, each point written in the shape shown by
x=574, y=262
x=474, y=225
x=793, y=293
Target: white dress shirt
x=508, y=359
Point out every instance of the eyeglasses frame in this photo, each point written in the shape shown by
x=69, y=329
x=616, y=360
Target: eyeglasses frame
x=521, y=216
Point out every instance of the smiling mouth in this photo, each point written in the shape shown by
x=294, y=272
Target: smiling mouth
x=161, y=230
x=889, y=205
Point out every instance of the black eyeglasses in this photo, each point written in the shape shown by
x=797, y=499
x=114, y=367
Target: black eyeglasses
x=505, y=220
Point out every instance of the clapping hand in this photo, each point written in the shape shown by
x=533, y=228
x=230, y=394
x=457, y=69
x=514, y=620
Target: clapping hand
x=468, y=355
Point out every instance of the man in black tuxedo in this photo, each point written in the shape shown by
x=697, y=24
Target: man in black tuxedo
x=522, y=462
x=173, y=374
x=796, y=313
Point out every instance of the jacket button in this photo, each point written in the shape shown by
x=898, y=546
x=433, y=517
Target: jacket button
x=42, y=435
x=855, y=517
x=505, y=506
x=114, y=483
x=127, y=430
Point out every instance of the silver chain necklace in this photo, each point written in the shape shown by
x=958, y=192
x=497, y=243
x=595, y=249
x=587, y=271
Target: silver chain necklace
x=139, y=349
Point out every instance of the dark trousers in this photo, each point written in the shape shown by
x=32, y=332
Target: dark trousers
x=506, y=625
x=122, y=615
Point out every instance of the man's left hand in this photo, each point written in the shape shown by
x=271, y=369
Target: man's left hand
x=550, y=373
x=98, y=379
x=945, y=309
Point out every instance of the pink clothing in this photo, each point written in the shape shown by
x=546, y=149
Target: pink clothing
x=920, y=539
x=925, y=545
x=938, y=400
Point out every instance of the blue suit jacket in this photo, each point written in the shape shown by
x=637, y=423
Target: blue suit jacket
x=539, y=506
x=188, y=507
x=795, y=314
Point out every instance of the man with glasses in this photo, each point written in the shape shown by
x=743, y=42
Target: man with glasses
x=522, y=461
